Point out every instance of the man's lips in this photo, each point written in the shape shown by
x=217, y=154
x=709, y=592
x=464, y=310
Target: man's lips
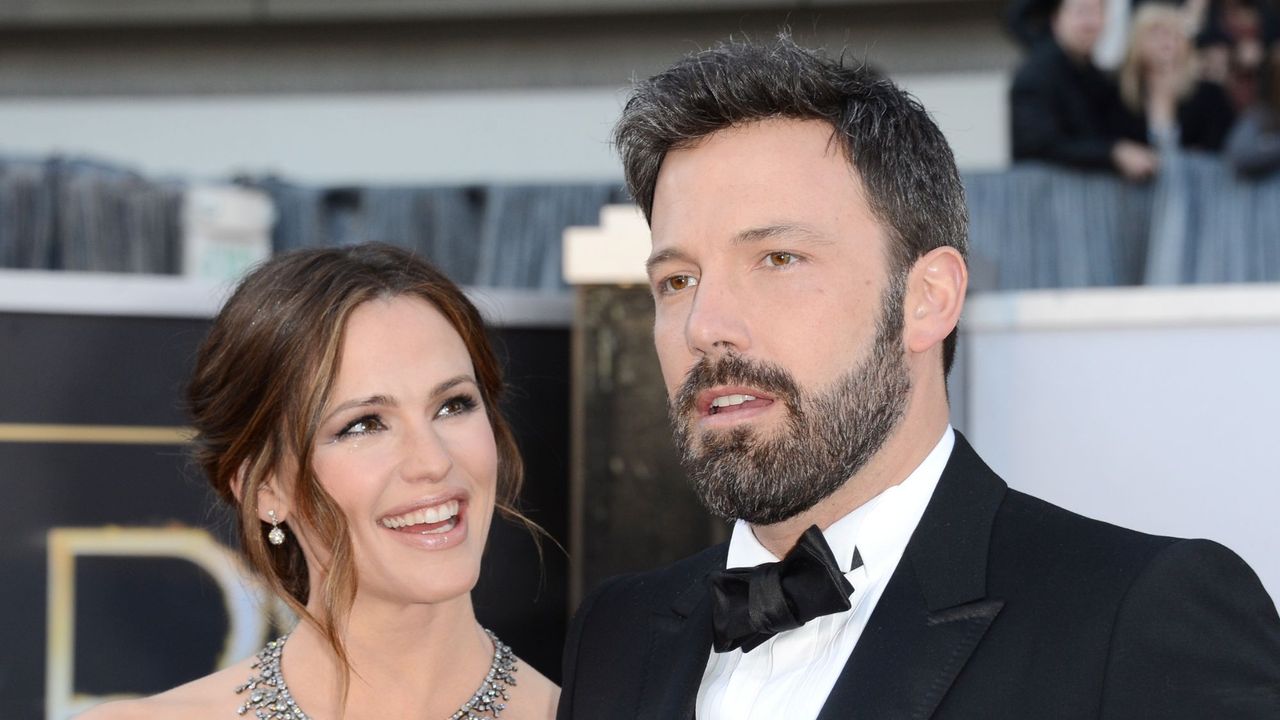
x=731, y=399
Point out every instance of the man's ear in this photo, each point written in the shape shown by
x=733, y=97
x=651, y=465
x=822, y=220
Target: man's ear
x=269, y=496
x=936, y=290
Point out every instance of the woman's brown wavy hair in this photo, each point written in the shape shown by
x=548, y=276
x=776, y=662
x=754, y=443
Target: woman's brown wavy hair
x=263, y=376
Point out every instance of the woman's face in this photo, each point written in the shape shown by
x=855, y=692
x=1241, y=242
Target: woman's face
x=405, y=449
x=1162, y=45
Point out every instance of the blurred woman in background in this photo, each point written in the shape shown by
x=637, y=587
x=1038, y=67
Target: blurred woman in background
x=346, y=405
x=1160, y=83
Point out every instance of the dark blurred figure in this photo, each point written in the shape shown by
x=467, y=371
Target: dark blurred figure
x=1161, y=84
x=1067, y=111
x=1253, y=146
x=1028, y=20
x=1235, y=37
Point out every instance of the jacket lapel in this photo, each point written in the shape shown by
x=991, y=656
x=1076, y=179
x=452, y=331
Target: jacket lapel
x=679, y=648
x=934, y=610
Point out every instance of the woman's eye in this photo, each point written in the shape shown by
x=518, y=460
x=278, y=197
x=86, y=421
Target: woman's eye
x=676, y=283
x=457, y=406
x=779, y=259
x=363, y=426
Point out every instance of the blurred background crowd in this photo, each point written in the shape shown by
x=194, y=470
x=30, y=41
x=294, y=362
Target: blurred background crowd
x=1109, y=86
x=1137, y=146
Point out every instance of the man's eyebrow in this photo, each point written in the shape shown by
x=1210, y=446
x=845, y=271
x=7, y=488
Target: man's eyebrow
x=768, y=232
x=662, y=256
x=795, y=231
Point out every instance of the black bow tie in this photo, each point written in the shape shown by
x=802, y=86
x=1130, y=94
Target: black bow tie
x=751, y=605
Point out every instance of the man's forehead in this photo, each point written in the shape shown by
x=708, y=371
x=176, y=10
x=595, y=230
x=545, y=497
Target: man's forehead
x=750, y=171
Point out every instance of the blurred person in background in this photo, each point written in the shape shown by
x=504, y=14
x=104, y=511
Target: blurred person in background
x=1161, y=85
x=1066, y=111
x=1235, y=37
x=1027, y=21
x=1227, y=26
x=346, y=406
x=1253, y=147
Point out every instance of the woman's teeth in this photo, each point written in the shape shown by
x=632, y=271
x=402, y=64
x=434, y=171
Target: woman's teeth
x=426, y=516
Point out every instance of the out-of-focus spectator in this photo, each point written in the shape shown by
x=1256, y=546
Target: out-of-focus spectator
x=1234, y=37
x=1253, y=146
x=1028, y=22
x=1160, y=83
x=1065, y=110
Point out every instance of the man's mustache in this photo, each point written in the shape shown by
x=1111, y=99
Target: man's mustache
x=735, y=369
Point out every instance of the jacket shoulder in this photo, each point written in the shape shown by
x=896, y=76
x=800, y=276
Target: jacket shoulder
x=1068, y=540
x=658, y=589
x=1038, y=546
x=1199, y=621
x=608, y=637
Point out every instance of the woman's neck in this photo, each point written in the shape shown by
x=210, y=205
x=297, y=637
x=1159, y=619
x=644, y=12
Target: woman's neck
x=1162, y=98
x=421, y=660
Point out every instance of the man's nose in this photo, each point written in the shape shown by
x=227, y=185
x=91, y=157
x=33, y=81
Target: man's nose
x=717, y=321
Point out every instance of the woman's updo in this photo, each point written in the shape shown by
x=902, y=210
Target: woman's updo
x=263, y=376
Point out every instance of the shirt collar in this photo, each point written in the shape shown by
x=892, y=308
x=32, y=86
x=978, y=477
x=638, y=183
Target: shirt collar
x=879, y=528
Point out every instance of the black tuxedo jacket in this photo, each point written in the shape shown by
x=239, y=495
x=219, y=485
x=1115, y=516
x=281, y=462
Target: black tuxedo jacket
x=1003, y=606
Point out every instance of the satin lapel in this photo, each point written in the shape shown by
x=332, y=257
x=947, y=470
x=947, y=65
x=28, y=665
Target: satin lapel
x=934, y=611
x=678, y=651
x=907, y=657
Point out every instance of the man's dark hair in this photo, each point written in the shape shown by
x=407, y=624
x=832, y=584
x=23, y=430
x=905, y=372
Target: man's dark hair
x=904, y=162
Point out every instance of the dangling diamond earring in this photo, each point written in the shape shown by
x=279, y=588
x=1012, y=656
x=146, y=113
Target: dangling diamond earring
x=276, y=536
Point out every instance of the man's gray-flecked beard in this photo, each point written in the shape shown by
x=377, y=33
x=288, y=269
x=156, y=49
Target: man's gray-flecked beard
x=827, y=438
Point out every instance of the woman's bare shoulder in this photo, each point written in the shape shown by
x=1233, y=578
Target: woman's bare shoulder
x=212, y=696
x=534, y=697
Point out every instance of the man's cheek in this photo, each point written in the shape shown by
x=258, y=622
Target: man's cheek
x=672, y=350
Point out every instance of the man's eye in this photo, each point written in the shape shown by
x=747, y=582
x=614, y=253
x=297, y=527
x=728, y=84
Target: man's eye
x=779, y=259
x=676, y=283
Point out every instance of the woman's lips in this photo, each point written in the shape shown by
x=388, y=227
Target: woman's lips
x=432, y=525
x=426, y=519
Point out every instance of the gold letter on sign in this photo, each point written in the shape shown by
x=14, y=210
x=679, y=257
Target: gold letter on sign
x=245, y=602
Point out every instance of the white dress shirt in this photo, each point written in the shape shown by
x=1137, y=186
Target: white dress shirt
x=791, y=674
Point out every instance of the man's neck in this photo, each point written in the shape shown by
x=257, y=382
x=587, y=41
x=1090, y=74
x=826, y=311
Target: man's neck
x=901, y=454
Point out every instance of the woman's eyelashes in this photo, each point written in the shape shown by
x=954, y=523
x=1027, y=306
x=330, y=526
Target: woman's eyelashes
x=370, y=424
x=364, y=425
x=460, y=404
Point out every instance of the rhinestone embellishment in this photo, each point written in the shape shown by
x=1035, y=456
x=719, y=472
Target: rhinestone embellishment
x=269, y=697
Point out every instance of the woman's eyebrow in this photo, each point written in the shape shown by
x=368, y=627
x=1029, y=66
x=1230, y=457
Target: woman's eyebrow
x=371, y=401
x=390, y=400
x=451, y=383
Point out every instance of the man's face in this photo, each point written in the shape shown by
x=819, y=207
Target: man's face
x=777, y=327
x=1077, y=24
